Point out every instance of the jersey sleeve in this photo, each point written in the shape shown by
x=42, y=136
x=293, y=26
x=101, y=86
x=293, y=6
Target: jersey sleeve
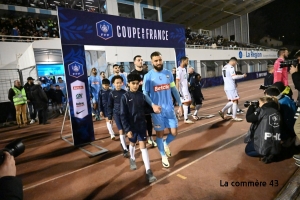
x=146, y=84
x=231, y=71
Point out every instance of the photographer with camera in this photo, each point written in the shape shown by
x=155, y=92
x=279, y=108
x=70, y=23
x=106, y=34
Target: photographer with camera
x=10, y=186
x=287, y=111
x=263, y=138
x=281, y=73
x=296, y=80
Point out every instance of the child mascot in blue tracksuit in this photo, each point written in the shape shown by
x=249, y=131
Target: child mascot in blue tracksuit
x=114, y=109
x=133, y=119
x=103, y=105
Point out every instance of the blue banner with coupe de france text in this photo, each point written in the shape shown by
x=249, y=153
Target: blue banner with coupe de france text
x=86, y=28
x=79, y=28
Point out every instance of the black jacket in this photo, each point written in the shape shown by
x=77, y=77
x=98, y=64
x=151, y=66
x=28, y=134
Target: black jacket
x=133, y=105
x=103, y=99
x=114, y=100
x=265, y=129
x=39, y=96
x=11, y=188
x=296, y=81
x=269, y=79
x=27, y=88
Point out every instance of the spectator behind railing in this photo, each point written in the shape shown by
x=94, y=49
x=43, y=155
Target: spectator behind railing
x=28, y=26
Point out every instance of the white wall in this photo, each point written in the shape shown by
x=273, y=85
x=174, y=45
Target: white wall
x=47, y=44
x=9, y=51
x=27, y=58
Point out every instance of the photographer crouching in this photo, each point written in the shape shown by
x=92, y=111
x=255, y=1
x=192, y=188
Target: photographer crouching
x=263, y=138
x=296, y=80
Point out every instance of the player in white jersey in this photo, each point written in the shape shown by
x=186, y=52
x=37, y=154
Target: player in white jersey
x=229, y=78
x=183, y=87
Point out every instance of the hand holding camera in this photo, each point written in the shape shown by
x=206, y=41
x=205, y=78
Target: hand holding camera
x=293, y=69
x=8, y=167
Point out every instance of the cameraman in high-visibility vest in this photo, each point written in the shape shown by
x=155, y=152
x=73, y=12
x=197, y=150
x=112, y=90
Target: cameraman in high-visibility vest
x=17, y=95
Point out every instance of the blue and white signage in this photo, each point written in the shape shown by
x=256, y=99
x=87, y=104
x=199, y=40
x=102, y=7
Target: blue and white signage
x=252, y=54
x=104, y=30
x=79, y=99
x=75, y=69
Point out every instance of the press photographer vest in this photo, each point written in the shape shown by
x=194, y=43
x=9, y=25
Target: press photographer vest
x=20, y=96
x=267, y=132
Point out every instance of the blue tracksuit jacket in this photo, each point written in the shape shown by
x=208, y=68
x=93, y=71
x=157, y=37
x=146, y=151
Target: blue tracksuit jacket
x=114, y=100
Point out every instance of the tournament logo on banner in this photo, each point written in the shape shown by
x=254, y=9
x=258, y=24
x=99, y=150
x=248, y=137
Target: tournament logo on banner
x=79, y=99
x=75, y=69
x=104, y=30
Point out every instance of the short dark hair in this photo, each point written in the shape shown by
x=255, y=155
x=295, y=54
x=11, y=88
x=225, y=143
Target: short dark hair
x=56, y=85
x=59, y=78
x=133, y=77
x=116, y=77
x=282, y=50
x=116, y=65
x=155, y=53
x=233, y=58
x=183, y=58
x=105, y=81
x=137, y=56
x=272, y=91
x=102, y=72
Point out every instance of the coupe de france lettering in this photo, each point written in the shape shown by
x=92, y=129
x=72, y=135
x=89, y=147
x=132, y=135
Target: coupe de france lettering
x=141, y=33
x=79, y=99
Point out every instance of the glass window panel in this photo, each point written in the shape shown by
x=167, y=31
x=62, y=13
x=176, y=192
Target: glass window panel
x=150, y=14
x=126, y=10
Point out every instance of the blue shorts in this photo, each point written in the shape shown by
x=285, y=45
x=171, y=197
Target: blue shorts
x=165, y=119
x=140, y=135
x=117, y=119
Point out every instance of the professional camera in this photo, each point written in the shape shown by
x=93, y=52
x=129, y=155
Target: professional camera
x=255, y=103
x=15, y=148
x=288, y=63
x=264, y=87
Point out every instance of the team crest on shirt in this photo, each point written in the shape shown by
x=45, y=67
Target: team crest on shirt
x=168, y=76
x=160, y=78
x=141, y=76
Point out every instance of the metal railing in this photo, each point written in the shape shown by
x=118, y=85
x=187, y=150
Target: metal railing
x=12, y=38
x=227, y=48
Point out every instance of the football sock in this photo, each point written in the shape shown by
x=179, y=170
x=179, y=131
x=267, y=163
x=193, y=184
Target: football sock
x=229, y=110
x=122, y=139
x=228, y=105
x=160, y=145
x=185, y=112
x=132, y=151
x=198, y=106
x=234, y=105
x=145, y=157
x=170, y=138
x=109, y=127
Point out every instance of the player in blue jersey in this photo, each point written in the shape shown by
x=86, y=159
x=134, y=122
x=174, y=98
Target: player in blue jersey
x=95, y=85
x=158, y=85
x=116, y=70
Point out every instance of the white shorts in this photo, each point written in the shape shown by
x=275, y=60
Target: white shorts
x=232, y=95
x=185, y=96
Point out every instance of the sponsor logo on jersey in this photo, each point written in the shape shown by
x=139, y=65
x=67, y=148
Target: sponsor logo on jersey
x=158, y=88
